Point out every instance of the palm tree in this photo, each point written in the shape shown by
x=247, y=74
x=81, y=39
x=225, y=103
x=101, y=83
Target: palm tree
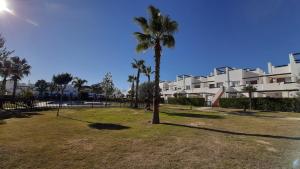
x=158, y=31
x=131, y=79
x=19, y=69
x=249, y=90
x=62, y=80
x=139, y=65
x=5, y=68
x=148, y=71
x=78, y=83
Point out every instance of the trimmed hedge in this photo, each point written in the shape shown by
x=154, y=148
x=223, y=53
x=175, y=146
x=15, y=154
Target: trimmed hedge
x=266, y=104
x=187, y=101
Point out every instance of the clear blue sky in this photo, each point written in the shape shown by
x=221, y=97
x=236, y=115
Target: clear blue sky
x=91, y=37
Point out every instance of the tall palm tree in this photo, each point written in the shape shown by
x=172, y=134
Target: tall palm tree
x=139, y=65
x=147, y=72
x=78, y=84
x=5, y=68
x=157, y=31
x=131, y=79
x=249, y=90
x=19, y=69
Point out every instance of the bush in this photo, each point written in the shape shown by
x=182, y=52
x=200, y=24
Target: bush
x=266, y=104
x=187, y=101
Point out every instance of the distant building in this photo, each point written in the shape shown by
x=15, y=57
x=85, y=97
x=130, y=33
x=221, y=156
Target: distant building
x=69, y=91
x=279, y=82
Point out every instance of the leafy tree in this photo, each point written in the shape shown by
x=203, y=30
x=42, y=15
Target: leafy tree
x=108, y=86
x=148, y=71
x=144, y=90
x=157, y=31
x=79, y=84
x=20, y=68
x=52, y=88
x=249, y=90
x=139, y=65
x=131, y=79
x=41, y=86
x=62, y=80
x=96, y=88
x=5, y=64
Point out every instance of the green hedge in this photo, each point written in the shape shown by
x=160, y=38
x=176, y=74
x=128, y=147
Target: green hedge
x=187, y=101
x=267, y=104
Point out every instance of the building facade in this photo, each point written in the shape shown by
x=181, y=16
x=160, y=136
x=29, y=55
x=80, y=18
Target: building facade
x=279, y=81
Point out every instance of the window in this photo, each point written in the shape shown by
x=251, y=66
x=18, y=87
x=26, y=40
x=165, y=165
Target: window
x=279, y=80
x=252, y=82
x=219, y=84
x=211, y=85
x=235, y=83
x=197, y=86
x=188, y=87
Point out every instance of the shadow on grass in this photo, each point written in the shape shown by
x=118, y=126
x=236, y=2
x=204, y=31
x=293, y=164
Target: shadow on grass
x=100, y=126
x=193, y=115
x=107, y=126
x=234, y=133
x=16, y=114
x=252, y=114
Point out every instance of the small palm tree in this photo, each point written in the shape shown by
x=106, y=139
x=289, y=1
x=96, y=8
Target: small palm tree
x=131, y=79
x=78, y=84
x=249, y=90
x=157, y=31
x=139, y=65
x=62, y=80
x=147, y=72
x=19, y=69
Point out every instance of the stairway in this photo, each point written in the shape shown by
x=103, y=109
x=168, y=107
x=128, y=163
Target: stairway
x=216, y=98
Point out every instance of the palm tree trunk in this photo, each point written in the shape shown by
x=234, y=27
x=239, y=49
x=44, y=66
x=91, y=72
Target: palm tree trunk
x=137, y=89
x=155, y=118
x=15, y=88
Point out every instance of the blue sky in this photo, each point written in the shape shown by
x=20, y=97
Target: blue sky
x=91, y=37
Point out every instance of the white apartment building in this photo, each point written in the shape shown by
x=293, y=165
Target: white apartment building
x=69, y=90
x=280, y=81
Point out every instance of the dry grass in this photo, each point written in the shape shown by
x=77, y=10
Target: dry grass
x=123, y=138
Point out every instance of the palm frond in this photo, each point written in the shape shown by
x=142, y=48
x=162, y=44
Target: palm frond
x=154, y=12
x=142, y=22
x=169, y=25
x=142, y=46
x=141, y=37
x=168, y=40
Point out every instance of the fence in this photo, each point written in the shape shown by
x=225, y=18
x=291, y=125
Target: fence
x=30, y=104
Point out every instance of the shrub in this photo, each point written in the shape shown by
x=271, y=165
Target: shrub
x=266, y=104
x=187, y=101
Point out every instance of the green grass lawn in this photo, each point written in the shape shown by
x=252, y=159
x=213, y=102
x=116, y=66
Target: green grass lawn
x=124, y=138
